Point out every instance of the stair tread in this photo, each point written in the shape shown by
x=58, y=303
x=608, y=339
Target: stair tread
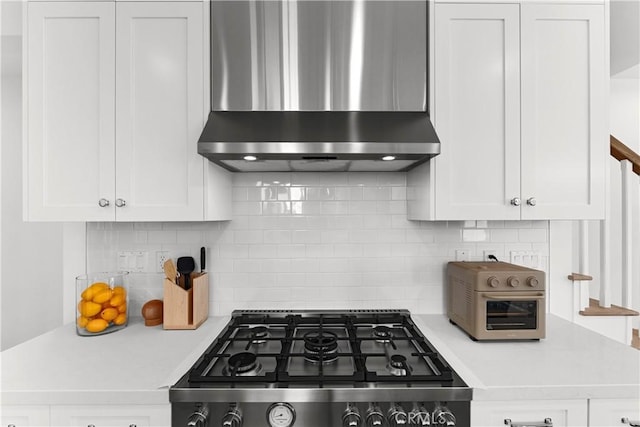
x=579, y=277
x=594, y=309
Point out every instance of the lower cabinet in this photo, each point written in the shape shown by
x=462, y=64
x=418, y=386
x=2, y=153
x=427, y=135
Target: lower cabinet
x=559, y=413
x=24, y=415
x=111, y=416
x=614, y=412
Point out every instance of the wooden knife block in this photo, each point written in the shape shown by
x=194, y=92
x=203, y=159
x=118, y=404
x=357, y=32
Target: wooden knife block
x=186, y=309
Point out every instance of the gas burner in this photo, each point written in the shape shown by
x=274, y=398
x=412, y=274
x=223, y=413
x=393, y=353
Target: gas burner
x=258, y=334
x=398, y=366
x=383, y=334
x=242, y=364
x=320, y=346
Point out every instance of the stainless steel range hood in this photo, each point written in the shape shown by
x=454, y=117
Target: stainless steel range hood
x=318, y=85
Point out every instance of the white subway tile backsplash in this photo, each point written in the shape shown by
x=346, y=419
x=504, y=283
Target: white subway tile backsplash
x=316, y=240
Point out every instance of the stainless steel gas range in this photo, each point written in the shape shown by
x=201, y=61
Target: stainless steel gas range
x=320, y=369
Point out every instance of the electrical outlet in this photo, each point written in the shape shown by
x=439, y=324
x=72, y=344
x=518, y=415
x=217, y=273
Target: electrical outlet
x=462, y=255
x=161, y=258
x=531, y=259
x=489, y=252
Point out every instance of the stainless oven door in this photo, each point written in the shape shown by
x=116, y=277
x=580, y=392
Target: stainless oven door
x=513, y=311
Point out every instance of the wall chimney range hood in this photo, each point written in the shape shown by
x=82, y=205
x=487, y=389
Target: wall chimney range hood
x=318, y=85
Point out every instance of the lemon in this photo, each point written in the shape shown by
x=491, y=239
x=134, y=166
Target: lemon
x=89, y=308
x=116, y=300
x=122, y=308
x=102, y=296
x=97, y=325
x=92, y=290
x=121, y=319
x=120, y=290
x=109, y=314
x=82, y=321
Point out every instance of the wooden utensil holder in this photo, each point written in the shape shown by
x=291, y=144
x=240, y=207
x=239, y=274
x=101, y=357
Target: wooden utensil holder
x=186, y=309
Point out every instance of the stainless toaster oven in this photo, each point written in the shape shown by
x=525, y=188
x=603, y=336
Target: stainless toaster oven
x=496, y=300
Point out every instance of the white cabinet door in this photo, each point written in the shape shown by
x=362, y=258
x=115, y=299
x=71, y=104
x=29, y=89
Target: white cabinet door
x=111, y=416
x=611, y=412
x=477, y=111
x=563, y=413
x=564, y=134
x=159, y=111
x=69, y=137
x=520, y=108
x=24, y=415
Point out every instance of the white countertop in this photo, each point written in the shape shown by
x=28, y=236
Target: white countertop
x=137, y=364
x=570, y=363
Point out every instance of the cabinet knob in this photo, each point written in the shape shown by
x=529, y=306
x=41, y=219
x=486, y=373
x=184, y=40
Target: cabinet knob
x=630, y=423
x=515, y=201
x=531, y=201
x=121, y=203
x=103, y=203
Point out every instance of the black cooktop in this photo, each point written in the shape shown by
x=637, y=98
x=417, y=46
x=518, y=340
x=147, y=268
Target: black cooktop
x=353, y=348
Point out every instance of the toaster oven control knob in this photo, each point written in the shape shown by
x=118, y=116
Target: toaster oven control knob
x=442, y=416
x=513, y=281
x=397, y=416
x=199, y=417
x=532, y=281
x=233, y=417
x=374, y=417
x=493, y=281
x=351, y=417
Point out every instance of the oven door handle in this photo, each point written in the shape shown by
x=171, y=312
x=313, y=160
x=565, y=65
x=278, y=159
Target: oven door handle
x=511, y=297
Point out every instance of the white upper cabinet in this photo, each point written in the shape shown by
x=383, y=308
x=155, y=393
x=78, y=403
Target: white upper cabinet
x=115, y=104
x=520, y=110
x=159, y=110
x=564, y=111
x=69, y=93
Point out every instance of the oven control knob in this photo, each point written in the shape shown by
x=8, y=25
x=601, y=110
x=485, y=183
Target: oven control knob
x=397, y=416
x=513, y=281
x=374, y=417
x=493, y=281
x=351, y=417
x=233, y=417
x=199, y=417
x=442, y=416
x=532, y=281
x=419, y=416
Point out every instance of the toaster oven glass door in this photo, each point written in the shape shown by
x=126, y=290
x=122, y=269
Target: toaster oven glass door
x=506, y=314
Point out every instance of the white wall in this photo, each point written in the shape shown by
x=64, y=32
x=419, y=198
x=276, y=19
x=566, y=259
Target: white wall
x=625, y=34
x=31, y=256
x=316, y=240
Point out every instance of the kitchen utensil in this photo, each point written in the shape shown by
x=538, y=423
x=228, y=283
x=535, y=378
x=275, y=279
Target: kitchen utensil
x=186, y=265
x=170, y=271
x=203, y=258
x=152, y=312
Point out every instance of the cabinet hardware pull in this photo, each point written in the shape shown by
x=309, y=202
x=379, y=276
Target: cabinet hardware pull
x=531, y=201
x=515, y=201
x=546, y=423
x=103, y=203
x=121, y=203
x=631, y=423
x=132, y=425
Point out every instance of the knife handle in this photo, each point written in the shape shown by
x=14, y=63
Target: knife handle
x=203, y=257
